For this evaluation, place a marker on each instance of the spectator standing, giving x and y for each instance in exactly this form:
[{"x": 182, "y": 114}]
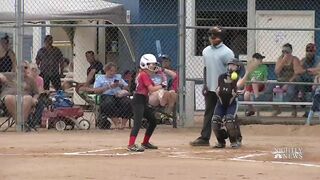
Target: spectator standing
[
  {"x": 216, "y": 57},
  {"x": 50, "y": 62},
  {"x": 7, "y": 56}
]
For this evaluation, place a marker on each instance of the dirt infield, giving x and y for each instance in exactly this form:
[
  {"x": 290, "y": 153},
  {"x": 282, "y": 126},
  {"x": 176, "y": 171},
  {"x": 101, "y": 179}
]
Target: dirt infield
[{"x": 101, "y": 154}]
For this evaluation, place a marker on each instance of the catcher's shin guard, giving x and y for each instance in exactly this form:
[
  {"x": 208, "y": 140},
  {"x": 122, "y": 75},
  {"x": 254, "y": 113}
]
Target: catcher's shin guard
[
  {"x": 232, "y": 128},
  {"x": 239, "y": 136},
  {"x": 220, "y": 134}
]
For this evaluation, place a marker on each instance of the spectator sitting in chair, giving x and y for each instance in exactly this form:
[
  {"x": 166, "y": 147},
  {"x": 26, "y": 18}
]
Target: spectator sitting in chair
[
  {"x": 172, "y": 78},
  {"x": 311, "y": 65},
  {"x": 9, "y": 92},
  {"x": 94, "y": 68},
  {"x": 34, "y": 73},
  {"x": 260, "y": 73},
  {"x": 115, "y": 103},
  {"x": 162, "y": 97},
  {"x": 128, "y": 77},
  {"x": 166, "y": 63},
  {"x": 287, "y": 69}
]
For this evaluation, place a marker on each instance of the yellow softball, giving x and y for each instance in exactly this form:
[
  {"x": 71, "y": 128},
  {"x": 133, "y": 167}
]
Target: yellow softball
[{"x": 234, "y": 76}]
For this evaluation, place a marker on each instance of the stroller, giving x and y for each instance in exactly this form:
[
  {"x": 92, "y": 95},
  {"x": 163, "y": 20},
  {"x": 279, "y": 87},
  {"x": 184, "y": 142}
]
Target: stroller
[{"x": 62, "y": 114}]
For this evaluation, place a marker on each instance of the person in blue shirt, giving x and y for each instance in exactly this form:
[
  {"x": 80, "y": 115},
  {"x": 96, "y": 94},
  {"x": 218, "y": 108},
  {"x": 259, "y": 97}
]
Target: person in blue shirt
[
  {"x": 115, "y": 103},
  {"x": 311, "y": 65},
  {"x": 216, "y": 57}
]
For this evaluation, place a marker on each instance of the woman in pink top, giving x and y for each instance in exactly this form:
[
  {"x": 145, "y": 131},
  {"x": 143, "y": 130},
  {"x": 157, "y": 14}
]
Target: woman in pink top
[
  {"x": 148, "y": 65},
  {"x": 34, "y": 73},
  {"x": 9, "y": 92}
]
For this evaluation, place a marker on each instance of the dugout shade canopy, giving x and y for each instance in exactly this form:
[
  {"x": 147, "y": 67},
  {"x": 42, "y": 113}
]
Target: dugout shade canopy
[{"x": 69, "y": 10}]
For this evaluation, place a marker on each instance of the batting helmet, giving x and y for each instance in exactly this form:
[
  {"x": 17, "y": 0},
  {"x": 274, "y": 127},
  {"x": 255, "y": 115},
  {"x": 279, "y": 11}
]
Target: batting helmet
[{"x": 146, "y": 60}]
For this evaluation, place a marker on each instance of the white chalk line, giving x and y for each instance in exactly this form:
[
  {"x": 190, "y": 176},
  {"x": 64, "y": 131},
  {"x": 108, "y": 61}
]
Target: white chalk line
[
  {"x": 31, "y": 154},
  {"x": 93, "y": 151},
  {"x": 190, "y": 157},
  {"x": 79, "y": 153},
  {"x": 177, "y": 154},
  {"x": 105, "y": 154},
  {"x": 243, "y": 159}
]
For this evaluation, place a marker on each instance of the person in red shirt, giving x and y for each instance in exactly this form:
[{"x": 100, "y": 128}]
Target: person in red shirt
[{"x": 144, "y": 86}]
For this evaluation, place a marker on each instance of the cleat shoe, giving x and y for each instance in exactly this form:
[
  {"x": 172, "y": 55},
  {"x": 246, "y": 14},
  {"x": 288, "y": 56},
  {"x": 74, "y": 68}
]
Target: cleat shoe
[
  {"x": 135, "y": 148},
  {"x": 200, "y": 142},
  {"x": 249, "y": 113},
  {"x": 234, "y": 145},
  {"x": 149, "y": 146},
  {"x": 219, "y": 146}
]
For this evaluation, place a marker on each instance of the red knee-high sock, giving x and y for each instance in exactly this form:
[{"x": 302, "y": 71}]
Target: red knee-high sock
[
  {"x": 132, "y": 140},
  {"x": 146, "y": 139}
]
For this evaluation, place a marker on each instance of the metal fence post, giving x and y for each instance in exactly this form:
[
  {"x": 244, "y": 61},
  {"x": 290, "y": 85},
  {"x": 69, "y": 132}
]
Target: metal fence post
[
  {"x": 251, "y": 21},
  {"x": 190, "y": 104},
  {"x": 19, "y": 50},
  {"x": 182, "y": 46}
]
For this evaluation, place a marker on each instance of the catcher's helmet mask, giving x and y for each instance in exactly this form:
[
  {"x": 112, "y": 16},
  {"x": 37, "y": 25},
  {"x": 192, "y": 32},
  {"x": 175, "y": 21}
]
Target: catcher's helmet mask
[{"x": 235, "y": 62}]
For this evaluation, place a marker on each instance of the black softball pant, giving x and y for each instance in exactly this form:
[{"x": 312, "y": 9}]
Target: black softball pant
[
  {"x": 141, "y": 109},
  {"x": 211, "y": 101}
]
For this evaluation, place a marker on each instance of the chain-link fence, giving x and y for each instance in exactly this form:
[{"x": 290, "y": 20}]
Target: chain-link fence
[
  {"x": 69, "y": 45},
  {"x": 80, "y": 47},
  {"x": 285, "y": 32}
]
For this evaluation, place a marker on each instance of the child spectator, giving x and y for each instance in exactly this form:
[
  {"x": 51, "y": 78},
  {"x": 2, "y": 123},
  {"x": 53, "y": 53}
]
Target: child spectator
[{"x": 259, "y": 74}]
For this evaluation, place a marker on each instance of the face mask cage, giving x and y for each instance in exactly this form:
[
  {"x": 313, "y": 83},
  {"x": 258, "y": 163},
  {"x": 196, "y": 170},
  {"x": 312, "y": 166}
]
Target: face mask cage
[
  {"x": 230, "y": 71},
  {"x": 153, "y": 67}
]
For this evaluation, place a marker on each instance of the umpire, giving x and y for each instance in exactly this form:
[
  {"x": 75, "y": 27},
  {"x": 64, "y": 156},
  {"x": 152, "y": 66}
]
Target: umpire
[{"x": 216, "y": 57}]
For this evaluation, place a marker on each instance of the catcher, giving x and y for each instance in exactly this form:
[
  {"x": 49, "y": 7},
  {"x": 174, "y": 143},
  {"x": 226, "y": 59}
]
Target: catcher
[{"x": 224, "y": 124}]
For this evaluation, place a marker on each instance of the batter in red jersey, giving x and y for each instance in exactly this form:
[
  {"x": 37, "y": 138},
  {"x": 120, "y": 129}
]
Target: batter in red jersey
[{"x": 148, "y": 65}]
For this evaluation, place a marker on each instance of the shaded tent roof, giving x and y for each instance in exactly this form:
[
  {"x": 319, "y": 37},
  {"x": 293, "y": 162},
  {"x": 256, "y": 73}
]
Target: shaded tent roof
[
  {"x": 64, "y": 10},
  {"x": 42, "y": 10}
]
